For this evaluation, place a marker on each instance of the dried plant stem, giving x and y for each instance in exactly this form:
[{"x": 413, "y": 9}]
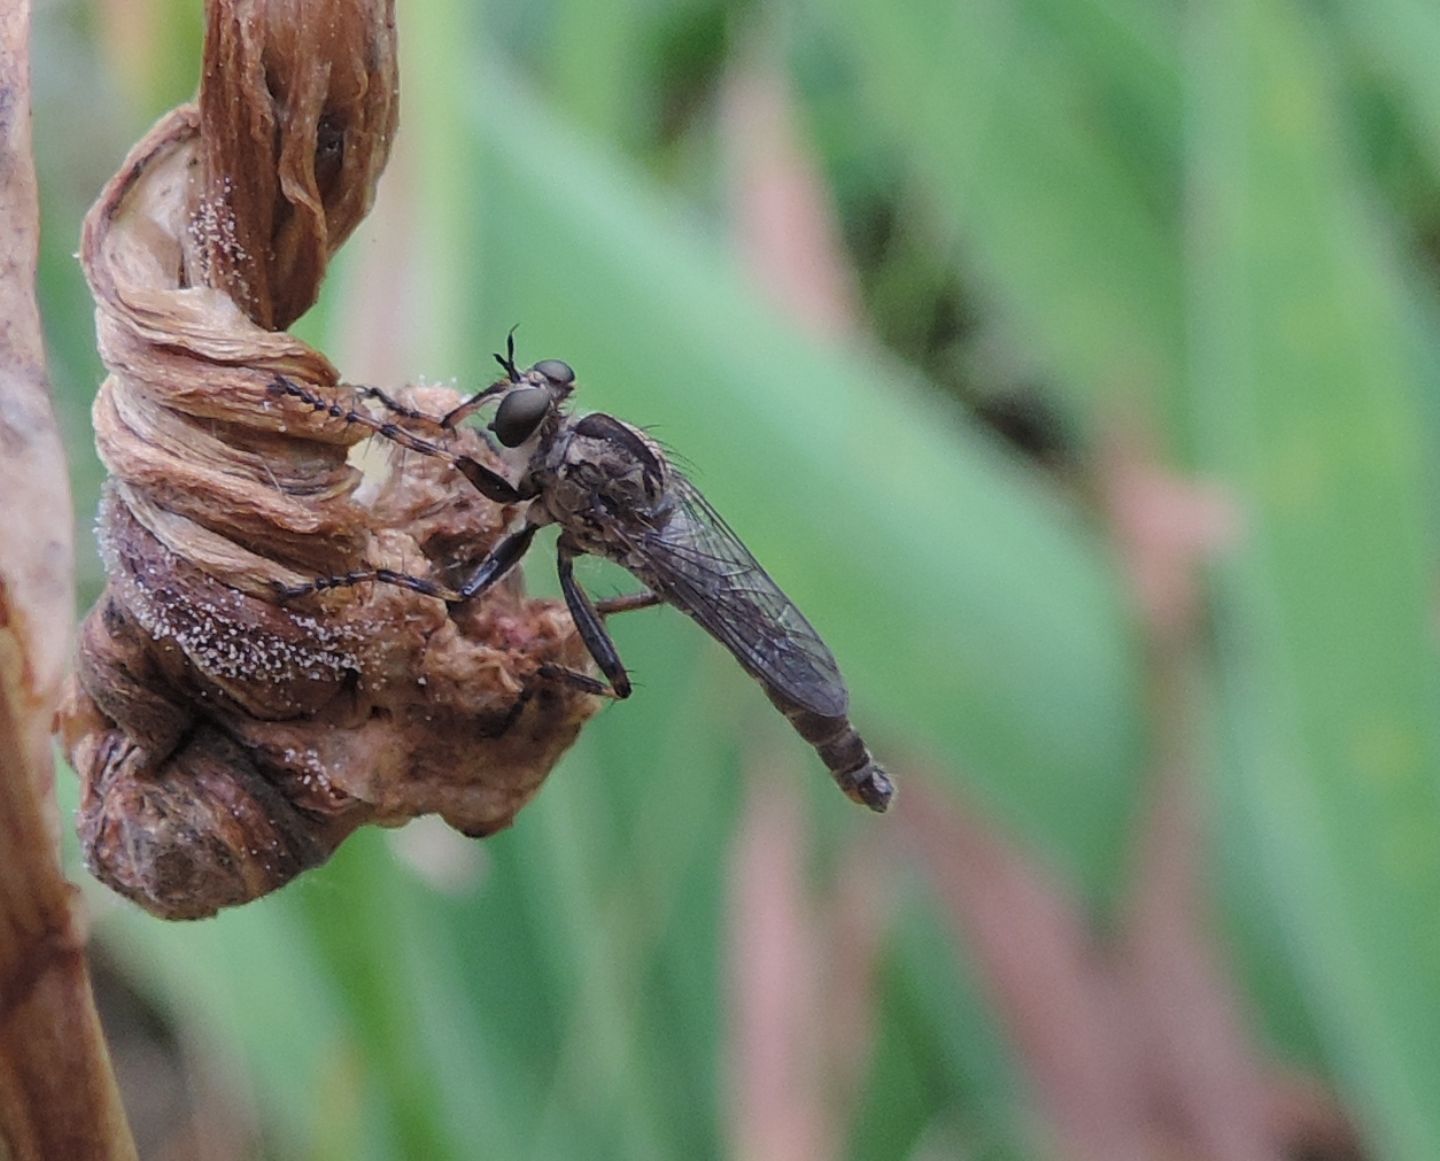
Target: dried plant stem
[{"x": 57, "y": 1093}]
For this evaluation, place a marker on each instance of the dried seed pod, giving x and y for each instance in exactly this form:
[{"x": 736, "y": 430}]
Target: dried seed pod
[{"x": 227, "y": 741}]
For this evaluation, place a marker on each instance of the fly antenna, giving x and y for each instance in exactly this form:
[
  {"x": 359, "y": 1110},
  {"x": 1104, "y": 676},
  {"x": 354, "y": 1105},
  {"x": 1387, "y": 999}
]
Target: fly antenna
[{"x": 507, "y": 360}]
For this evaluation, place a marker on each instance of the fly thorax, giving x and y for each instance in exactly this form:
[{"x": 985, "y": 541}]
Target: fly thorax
[{"x": 607, "y": 475}]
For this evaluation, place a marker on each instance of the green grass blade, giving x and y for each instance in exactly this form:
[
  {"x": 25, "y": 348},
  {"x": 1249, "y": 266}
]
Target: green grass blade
[
  {"x": 1403, "y": 37},
  {"x": 1052, "y": 214},
  {"x": 249, "y": 982},
  {"x": 1308, "y": 408}
]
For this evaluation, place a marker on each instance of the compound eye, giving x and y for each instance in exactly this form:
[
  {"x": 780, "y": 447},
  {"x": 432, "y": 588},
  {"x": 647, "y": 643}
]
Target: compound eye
[
  {"x": 556, "y": 370},
  {"x": 519, "y": 414}
]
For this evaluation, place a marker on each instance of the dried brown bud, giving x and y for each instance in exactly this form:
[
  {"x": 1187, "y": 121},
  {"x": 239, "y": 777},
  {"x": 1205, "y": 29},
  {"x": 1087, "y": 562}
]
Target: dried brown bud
[{"x": 226, "y": 740}]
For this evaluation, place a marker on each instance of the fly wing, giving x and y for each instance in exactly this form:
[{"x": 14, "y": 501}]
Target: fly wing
[{"x": 699, "y": 565}]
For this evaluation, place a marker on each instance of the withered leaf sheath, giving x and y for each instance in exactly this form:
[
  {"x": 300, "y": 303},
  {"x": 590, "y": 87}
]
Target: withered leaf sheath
[{"x": 226, "y": 743}]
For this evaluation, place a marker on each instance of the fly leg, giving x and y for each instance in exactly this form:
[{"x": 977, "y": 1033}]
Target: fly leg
[
  {"x": 395, "y": 407},
  {"x": 644, "y": 599},
  {"x": 447, "y": 421},
  {"x": 588, "y": 623},
  {"x": 498, "y": 561},
  {"x": 360, "y": 575},
  {"x": 490, "y": 484},
  {"x": 573, "y": 677},
  {"x": 454, "y": 416},
  {"x": 501, "y": 559}
]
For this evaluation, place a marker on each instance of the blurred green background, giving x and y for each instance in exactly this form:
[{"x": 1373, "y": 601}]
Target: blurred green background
[{"x": 905, "y": 283}]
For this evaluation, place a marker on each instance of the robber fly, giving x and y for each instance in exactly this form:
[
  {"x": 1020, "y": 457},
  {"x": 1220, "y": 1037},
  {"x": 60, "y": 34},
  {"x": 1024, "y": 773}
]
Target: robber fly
[{"x": 614, "y": 494}]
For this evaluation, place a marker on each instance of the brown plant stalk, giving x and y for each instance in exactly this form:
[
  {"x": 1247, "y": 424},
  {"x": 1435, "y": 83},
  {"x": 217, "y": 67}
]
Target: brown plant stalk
[
  {"x": 228, "y": 739},
  {"x": 57, "y": 1093}
]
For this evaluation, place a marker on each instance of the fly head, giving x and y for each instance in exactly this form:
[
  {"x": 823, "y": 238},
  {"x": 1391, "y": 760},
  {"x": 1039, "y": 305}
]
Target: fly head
[
  {"x": 529, "y": 398},
  {"x": 526, "y": 399}
]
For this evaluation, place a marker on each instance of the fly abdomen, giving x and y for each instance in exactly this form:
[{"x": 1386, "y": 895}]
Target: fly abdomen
[{"x": 843, "y": 751}]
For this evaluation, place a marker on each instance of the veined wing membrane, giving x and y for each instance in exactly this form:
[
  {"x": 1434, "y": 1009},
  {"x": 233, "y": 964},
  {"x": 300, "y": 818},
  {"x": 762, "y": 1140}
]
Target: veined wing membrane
[{"x": 698, "y": 564}]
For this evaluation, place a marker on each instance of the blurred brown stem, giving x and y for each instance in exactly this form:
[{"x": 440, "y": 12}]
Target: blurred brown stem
[{"x": 57, "y": 1093}]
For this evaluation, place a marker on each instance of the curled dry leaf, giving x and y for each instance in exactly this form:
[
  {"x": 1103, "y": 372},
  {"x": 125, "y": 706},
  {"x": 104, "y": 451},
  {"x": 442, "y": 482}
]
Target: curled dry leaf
[{"x": 228, "y": 741}]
